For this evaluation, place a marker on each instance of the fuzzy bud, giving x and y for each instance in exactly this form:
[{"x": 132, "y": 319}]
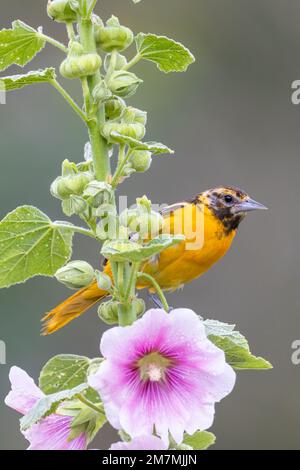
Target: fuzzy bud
[
  {"x": 76, "y": 274},
  {"x": 121, "y": 61},
  {"x": 108, "y": 312},
  {"x": 134, "y": 130},
  {"x": 79, "y": 64},
  {"x": 124, "y": 84},
  {"x": 141, "y": 160},
  {"x": 98, "y": 193},
  {"x": 65, "y": 186},
  {"x": 114, "y": 108},
  {"x": 61, "y": 11},
  {"x": 113, "y": 36}
]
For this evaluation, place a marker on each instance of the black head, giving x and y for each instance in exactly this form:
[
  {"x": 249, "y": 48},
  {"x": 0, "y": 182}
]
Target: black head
[{"x": 229, "y": 204}]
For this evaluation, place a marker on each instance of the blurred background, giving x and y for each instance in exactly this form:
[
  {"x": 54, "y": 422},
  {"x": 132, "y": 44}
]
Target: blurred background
[{"x": 231, "y": 121}]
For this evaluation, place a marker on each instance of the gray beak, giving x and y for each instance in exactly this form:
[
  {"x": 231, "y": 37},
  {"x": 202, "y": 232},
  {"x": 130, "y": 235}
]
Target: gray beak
[{"x": 249, "y": 205}]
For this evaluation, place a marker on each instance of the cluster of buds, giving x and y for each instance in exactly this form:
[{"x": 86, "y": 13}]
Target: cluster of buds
[
  {"x": 131, "y": 123},
  {"x": 142, "y": 220},
  {"x": 79, "y": 192}
]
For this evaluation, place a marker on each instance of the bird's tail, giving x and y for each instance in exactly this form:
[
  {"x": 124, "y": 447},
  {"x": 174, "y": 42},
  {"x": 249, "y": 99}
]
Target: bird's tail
[{"x": 72, "y": 308}]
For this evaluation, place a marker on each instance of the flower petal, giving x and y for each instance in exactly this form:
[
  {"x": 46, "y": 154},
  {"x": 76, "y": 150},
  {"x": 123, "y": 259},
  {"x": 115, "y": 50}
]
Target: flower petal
[{"x": 24, "y": 392}]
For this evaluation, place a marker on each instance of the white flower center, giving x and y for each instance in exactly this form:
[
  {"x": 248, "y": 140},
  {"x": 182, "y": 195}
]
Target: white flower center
[
  {"x": 153, "y": 367},
  {"x": 155, "y": 373}
]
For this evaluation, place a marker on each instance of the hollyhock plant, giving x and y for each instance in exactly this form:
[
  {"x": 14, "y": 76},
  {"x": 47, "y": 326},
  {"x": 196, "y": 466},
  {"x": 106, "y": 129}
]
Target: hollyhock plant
[
  {"x": 52, "y": 432},
  {"x": 162, "y": 372},
  {"x": 141, "y": 443}
]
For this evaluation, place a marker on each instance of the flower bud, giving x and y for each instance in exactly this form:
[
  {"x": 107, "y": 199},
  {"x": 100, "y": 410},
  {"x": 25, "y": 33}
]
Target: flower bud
[
  {"x": 113, "y": 36},
  {"x": 101, "y": 93},
  {"x": 76, "y": 274},
  {"x": 121, "y": 61},
  {"x": 108, "y": 312},
  {"x": 139, "y": 115},
  {"x": 64, "y": 186},
  {"x": 138, "y": 306},
  {"x": 74, "y": 205},
  {"x": 80, "y": 64},
  {"x": 141, "y": 160},
  {"x": 134, "y": 130},
  {"x": 124, "y": 84},
  {"x": 141, "y": 221},
  {"x": 61, "y": 11},
  {"x": 114, "y": 108},
  {"x": 103, "y": 281},
  {"x": 97, "y": 193}
]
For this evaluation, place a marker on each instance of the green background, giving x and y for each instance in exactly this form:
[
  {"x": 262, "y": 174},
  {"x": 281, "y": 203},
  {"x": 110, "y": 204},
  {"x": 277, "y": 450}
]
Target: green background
[{"x": 231, "y": 121}]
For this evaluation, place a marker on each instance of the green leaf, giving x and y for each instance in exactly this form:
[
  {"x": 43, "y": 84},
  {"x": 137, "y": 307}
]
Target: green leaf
[
  {"x": 201, "y": 440},
  {"x": 169, "y": 55},
  {"x": 48, "y": 405},
  {"x": 31, "y": 245},
  {"x": 63, "y": 372},
  {"x": 19, "y": 45},
  {"x": 130, "y": 251},
  {"x": 15, "y": 82},
  {"x": 155, "y": 148},
  {"x": 235, "y": 346}
]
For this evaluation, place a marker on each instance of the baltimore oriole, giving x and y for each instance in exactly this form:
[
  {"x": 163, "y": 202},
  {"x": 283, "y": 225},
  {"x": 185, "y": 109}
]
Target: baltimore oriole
[{"x": 219, "y": 212}]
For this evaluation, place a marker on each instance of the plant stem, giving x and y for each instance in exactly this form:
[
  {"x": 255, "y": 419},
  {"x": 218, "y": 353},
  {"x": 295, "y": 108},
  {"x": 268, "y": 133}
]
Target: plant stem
[
  {"x": 74, "y": 228},
  {"x": 157, "y": 288},
  {"x": 132, "y": 280},
  {"x": 120, "y": 167},
  {"x": 90, "y": 10},
  {"x": 89, "y": 404},
  {"x": 70, "y": 30},
  {"x": 98, "y": 143},
  {"x": 126, "y": 315},
  {"x": 69, "y": 99},
  {"x": 132, "y": 62},
  {"x": 54, "y": 43}
]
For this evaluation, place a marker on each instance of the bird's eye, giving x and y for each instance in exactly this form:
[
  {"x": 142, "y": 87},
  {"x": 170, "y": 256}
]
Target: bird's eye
[{"x": 228, "y": 198}]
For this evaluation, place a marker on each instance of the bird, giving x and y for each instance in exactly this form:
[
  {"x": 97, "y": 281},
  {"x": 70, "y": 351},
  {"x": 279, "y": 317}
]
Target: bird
[{"x": 209, "y": 221}]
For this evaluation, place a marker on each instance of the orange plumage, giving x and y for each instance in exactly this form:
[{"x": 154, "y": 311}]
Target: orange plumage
[{"x": 209, "y": 222}]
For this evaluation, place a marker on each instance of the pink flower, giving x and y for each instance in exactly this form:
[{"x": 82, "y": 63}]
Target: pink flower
[
  {"x": 162, "y": 371},
  {"x": 141, "y": 443},
  {"x": 50, "y": 433}
]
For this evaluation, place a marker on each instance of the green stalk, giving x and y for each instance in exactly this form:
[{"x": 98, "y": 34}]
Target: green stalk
[
  {"x": 126, "y": 314},
  {"x": 157, "y": 289},
  {"x": 54, "y": 42},
  {"x": 89, "y": 404},
  {"x": 132, "y": 62},
  {"x": 74, "y": 228},
  {"x": 98, "y": 143},
  {"x": 69, "y": 99}
]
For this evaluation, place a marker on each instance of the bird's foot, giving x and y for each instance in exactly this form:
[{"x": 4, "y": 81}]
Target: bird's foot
[{"x": 157, "y": 302}]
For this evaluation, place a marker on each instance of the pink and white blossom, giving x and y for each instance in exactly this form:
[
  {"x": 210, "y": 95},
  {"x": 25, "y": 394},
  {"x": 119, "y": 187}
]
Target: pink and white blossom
[
  {"x": 52, "y": 432},
  {"x": 162, "y": 373}
]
